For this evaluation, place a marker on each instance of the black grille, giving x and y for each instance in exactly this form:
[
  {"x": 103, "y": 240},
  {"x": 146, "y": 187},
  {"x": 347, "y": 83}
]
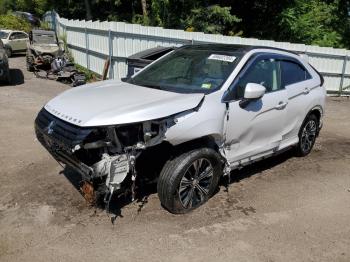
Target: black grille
[{"x": 60, "y": 131}]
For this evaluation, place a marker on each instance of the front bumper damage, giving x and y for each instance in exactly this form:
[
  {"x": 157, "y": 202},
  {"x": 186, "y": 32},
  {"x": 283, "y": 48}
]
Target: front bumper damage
[{"x": 99, "y": 154}]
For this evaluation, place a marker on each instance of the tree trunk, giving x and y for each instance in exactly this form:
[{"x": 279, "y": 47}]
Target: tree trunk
[
  {"x": 88, "y": 9},
  {"x": 144, "y": 8}
]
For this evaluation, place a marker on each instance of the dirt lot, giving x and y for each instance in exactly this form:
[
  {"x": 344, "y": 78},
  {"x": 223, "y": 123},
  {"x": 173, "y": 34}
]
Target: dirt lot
[{"x": 282, "y": 209}]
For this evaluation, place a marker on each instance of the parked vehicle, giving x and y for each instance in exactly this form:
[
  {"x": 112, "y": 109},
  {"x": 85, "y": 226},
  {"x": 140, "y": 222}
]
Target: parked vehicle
[
  {"x": 192, "y": 116},
  {"x": 42, "y": 48},
  {"x": 139, "y": 60},
  {"x": 4, "y": 65},
  {"x": 33, "y": 20},
  {"x": 14, "y": 41}
]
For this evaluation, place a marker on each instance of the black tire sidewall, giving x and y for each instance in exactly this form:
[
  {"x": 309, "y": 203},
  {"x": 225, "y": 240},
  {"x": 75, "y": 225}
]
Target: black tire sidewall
[
  {"x": 30, "y": 61},
  {"x": 8, "y": 51},
  {"x": 8, "y": 77}
]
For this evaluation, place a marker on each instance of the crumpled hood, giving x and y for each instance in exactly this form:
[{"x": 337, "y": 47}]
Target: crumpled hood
[
  {"x": 46, "y": 48},
  {"x": 114, "y": 102}
]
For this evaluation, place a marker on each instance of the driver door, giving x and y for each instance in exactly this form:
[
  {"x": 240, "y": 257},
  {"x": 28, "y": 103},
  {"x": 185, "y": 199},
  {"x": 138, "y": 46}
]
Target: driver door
[{"x": 257, "y": 128}]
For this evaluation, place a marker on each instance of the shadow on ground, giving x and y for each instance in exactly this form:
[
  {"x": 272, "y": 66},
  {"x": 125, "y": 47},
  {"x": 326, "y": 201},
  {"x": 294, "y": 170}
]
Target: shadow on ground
[{"x": 118, "y": 202}]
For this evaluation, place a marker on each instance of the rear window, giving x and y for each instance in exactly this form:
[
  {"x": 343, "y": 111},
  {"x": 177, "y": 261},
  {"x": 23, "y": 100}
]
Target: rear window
[
  {"x": 155, "y": 56},
  {"x": 293, "y": 73}
]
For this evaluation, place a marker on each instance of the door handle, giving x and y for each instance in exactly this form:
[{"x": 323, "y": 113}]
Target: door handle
[
  {"x": 281, "y": 105},
  {"x": 306, "y": 90}
]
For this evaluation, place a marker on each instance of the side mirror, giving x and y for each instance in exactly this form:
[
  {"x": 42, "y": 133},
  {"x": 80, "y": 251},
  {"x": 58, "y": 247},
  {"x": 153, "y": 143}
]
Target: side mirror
[{"x": 252, "y": 92}]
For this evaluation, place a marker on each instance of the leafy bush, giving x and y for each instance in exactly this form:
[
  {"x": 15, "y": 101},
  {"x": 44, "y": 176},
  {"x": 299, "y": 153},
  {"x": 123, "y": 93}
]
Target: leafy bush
[
  {"x": 89, "y": 75},
  {"x": 213, "y": 20},
  {"x": 14, "y": 23},
  {"x": 314, "y": 22},
  {"x": 45, "y": 25}
]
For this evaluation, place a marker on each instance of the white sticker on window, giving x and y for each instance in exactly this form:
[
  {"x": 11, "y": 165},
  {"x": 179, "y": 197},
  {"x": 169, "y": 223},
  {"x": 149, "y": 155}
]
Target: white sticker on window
[{"x": 225, "y": 58}]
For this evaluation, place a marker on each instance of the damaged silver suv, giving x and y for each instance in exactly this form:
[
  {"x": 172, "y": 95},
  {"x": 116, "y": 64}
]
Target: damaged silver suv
[{"x": 185, "y": 120}]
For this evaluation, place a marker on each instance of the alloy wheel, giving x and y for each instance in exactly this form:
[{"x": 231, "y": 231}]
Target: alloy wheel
[
  {"x": 308, "y": 136},
  {"x": 195, "y": 184}
]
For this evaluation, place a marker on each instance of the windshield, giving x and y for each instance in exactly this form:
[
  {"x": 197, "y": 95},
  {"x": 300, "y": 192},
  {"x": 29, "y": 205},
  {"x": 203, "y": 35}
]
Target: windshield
[
  {"x": 189, "y": 70},
  {"x": 44, "y": 39},
  {"x": 3, "y": 35}
]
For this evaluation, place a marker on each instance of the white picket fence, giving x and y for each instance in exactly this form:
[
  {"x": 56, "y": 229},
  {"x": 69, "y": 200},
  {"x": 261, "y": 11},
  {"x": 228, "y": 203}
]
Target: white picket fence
[{"x": 91, "y": 42}]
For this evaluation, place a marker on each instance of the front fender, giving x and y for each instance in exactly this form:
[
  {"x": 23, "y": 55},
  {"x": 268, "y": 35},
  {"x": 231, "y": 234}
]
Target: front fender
[{"x": 208, "y": 121}]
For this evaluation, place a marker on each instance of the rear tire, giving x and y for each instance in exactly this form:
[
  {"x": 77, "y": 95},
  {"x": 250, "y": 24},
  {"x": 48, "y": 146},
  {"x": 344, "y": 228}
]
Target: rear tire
[
  {"x": 30, "y": 61},
  {"x": 307, "y": 135},
  {"x": 189, "y": 180}
]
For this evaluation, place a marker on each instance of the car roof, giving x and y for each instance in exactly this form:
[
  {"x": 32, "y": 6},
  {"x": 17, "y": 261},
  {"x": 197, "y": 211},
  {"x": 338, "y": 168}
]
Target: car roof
[
  {"x": 12, "y": 31},
  {"x": 21, "y": 12},
  {"x": 233, "y": 48},
  {"x": 150, "y": 52}
]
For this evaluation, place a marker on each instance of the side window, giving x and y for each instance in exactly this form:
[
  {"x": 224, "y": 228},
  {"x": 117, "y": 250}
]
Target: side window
[
  {"x": 21, "y": 36},
  {"x": 14, "y": 36},
  {"x": 265, "y": 72},
  {"x": 293, "y": 73}
]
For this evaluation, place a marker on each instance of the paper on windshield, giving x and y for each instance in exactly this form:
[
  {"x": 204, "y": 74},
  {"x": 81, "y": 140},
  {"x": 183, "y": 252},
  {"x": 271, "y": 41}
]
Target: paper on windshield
[{"x": 225, "y": 58}]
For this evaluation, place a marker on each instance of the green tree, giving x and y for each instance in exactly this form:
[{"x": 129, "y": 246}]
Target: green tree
[
  {"x": 14, "y": 23},
  {"x": 313, "y": 22},
  {"x": 213, "y": 19}
]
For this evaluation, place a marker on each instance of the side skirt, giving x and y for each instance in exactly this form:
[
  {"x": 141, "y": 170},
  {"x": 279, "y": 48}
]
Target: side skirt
[{"x": 283, "y": 147}]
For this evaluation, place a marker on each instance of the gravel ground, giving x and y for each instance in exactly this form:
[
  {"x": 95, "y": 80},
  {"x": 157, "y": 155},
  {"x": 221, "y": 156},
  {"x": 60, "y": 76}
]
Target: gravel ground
[{"x": 281, "y": 209}]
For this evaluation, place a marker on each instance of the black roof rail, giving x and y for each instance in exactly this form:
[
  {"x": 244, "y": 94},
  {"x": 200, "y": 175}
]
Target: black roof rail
[{"x": 233, "y": 47}]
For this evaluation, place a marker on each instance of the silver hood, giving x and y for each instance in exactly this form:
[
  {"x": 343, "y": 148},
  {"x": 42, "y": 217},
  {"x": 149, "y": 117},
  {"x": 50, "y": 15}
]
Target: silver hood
[{"x": 114, "y": 102}]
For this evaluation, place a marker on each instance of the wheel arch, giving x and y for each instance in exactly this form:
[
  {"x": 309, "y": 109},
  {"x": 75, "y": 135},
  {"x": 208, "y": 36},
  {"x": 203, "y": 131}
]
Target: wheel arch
[
  {"x": 209, "y": 141},
  {"x": 318, "y": 112}
]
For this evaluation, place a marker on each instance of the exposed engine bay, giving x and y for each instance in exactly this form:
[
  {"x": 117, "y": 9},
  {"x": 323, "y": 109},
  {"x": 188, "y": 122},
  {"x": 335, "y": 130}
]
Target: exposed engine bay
[{"x": 100, "y": 154}]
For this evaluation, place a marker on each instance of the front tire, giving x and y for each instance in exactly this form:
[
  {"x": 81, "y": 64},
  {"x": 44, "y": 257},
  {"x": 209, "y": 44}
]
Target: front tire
[
  {"x": 188, "y": 181},
  {"x": 307, "y": 135}
]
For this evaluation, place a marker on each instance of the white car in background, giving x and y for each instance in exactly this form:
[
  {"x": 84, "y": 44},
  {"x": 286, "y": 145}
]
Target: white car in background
[
  {"x": 185, "y": 120},
  {"x": 14, "y": 41}
]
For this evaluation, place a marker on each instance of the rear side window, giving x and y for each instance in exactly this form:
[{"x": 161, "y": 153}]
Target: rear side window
[{"x": 293, "y": 73}]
